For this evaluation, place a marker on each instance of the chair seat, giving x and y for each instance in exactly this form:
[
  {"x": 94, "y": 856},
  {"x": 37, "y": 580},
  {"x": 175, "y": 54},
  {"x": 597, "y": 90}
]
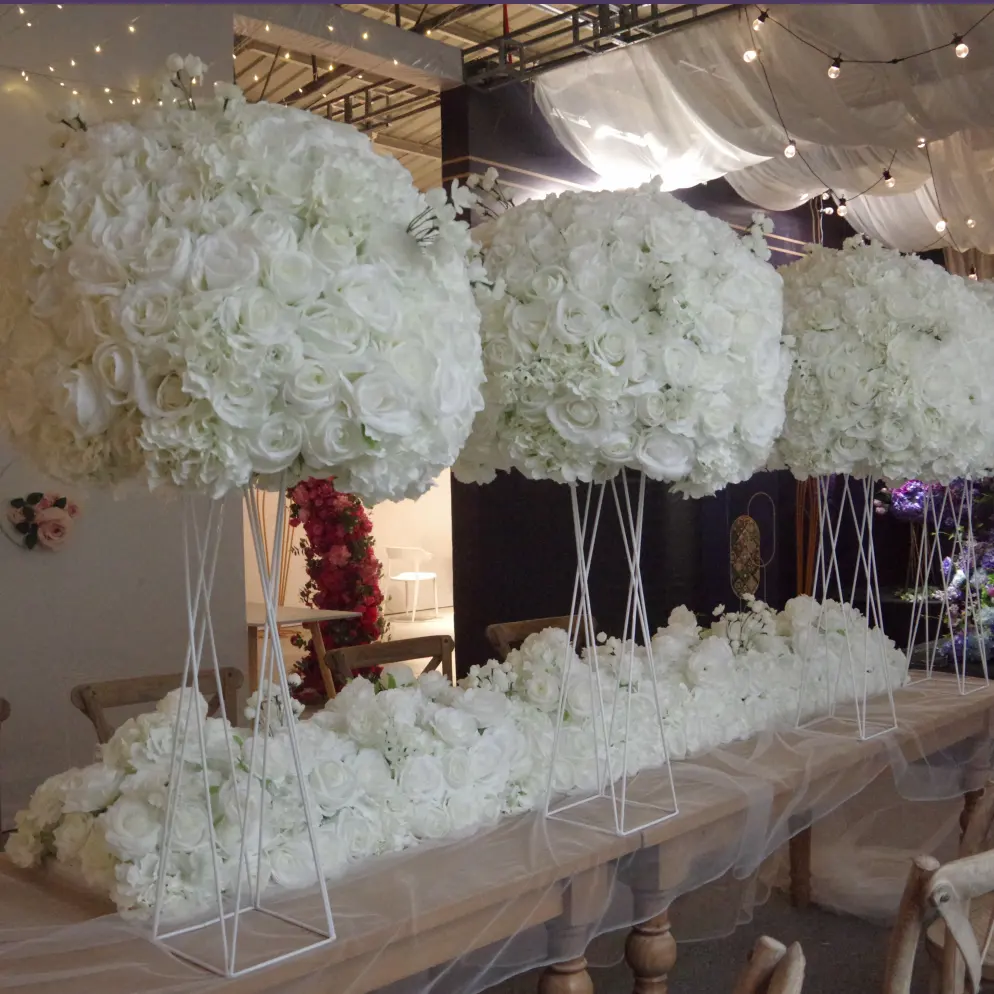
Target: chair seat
[
  {"x": 980, "y": 915},
  {"x": 412, "y": 576}
]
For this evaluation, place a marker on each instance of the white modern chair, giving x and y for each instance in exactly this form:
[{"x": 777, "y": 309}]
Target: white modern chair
[{"x": 398, "y": 559}]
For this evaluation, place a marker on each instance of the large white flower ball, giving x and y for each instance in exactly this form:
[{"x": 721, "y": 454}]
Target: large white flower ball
[
  {"x": 627, "y": 330},
  {"x": 194, "y": 297},
  {"x": 892, "y": 368}
]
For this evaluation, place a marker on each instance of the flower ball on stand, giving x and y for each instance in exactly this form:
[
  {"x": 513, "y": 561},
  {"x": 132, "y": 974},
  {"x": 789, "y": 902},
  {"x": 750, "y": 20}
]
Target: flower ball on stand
[{"x": 625, "y": 331}]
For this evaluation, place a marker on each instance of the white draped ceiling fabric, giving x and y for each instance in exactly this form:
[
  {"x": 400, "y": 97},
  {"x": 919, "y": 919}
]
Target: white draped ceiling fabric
[{"x": 688, "y": 108}]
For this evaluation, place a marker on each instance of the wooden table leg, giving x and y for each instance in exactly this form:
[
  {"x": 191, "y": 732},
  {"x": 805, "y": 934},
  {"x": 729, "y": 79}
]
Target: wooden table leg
[
  {"x": 583, "y": 904},
  {"x": 253, "y": 659},
  {"x": 570, "y": 977},
  {"x": 650, "y": 952},
  {"x": 976, "y": 776},
  {"x": 799, "y": 848},
  {"x": 319, "y": 654}
]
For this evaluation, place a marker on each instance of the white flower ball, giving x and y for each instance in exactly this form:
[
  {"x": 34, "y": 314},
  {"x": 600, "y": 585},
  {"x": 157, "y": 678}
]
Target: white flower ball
[
  {"x": 891, "y": 372},
  {"x": 626, "y": 329},
  {"x": 196, "y": 297}
]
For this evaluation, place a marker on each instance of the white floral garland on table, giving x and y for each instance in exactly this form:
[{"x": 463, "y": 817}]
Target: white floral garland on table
[
  {"x": 193, "y": 295},
  {"x": 626, "y": 329},
  {"x": 388, "y": 768},
  {"x": 891, "y": 372}
]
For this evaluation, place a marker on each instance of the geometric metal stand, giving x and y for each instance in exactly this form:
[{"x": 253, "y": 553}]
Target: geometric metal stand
[
  {"x": 843, "y": 697},
  {"x": 961, "y": 547},
  {"x": 621, "y": 802},
  {"x": 237, "y": 896}
]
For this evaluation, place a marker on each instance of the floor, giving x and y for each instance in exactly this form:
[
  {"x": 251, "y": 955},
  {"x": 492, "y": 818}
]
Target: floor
[{"x": 844, "y": 956}]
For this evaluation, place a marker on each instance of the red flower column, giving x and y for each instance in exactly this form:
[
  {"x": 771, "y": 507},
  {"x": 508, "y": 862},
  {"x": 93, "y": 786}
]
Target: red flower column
[{"x": 343, "y": 573}]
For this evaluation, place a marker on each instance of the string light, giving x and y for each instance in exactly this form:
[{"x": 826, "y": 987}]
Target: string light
[
  {"x": 256, "y": 77},
  {"x": 20, "y": 10},
  {"x": 970, "y": 223},
  {"x": 922, "y": 143},
  {"x": 267, "y": 27},
  {"x": 889, "y": 180},
  {"x": 72, "y": 62},
  {"x": 760, "y": 21},
  {"x": 961, "y": 48},
  {"x": 75, "y": 93},
  {"x": 96, "y": 49},
  {"x": 106, "y": 89},
  {"x": 791, "y": 150},
  {"x": 835, "y": 69},
  {"x": 286, "y": 55},
  {"x": 973, "y": 273},
  {"x": 828, "y": 210},
  {"x": 365, "y": 36},
  {"x": 131, "y": 28},
  {"x": 843, "y": 208},
  {"x": 51, "y": 68},
  {"x": 825, "y": 195},
  {"x": 750, "y": 55},
  {"x": 28, "y": 24},
  {"x": 331, "y": 27},
  {"x": 940, "y": 225},
  {"x": 395, "y": 62},
  {"x": 62, "y": 84},
  {"x": 428, "y": 32}
]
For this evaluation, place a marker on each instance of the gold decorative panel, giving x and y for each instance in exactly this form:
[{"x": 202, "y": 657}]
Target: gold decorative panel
[{"x": 745, "y": 557}]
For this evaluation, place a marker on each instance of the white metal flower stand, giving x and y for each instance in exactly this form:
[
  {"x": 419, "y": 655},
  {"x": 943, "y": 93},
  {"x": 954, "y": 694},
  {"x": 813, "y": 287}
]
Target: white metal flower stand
[
  {"x": 838, "y": 658},
  {"x": 621, "y": 803},
  {"x": 212, "y": 940}
]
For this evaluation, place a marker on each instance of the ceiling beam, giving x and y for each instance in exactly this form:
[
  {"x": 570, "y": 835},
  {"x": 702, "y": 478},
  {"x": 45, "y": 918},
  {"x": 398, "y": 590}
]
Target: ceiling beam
[
  {"x": 410, "y": 12},
  {"x": 403, "y": 145},
  {"x": 335, "y": 36}
]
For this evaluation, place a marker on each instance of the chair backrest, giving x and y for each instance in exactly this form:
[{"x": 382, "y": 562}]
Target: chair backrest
[
  {"x": 508, "y": 635},
  {"x": 92, "y": 698},
  {"x": 772, "y": 968},
  {"x": 397, "y": 555},
  {"x": 946, "y": 890},
  {"x": 4, "y": 710},
  {"x": 345, "y": 662}
]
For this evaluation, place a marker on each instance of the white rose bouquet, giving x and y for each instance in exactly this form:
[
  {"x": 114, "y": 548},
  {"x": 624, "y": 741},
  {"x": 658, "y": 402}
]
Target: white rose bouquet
[
  {"x": 210, "y": 290},
  {"x": 891, "y": 372},
  {"x": 626, "y": 329}
]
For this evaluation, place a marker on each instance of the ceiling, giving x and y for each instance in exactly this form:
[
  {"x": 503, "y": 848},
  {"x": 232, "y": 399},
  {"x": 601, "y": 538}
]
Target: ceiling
[{"x": 402, "y": 117}]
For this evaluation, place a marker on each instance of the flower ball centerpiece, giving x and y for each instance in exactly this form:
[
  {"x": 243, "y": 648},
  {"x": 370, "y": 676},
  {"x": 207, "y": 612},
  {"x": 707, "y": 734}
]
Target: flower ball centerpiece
[
  {"x": 627, "y": 330},
  {"x": 891, "y": 373},
  {"x": 209, "y": 291}
]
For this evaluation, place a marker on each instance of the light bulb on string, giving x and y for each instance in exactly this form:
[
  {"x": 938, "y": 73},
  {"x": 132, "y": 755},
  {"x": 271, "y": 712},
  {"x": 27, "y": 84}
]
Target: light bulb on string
[
  {"x": 131, "y": 29},
  {"x": 970, "y": 223},
  {"x": 828, "y": 210},
  {"x": 750, "y": 55},
  {"x": 72, "y": 62},
  {"x": 973, "y": 273},
  {"x": 961, "y": 48},
  {"x": 760, "y": 21},
  {"x": 843, "y": 209},
  {"x": 790, "y": 150},
  {"x": 889, "y": 180},
  {"x": 825, "y": 195},
  {"x": 96, "y": 48},
  {"x": 922, "y": 143},
  {"x": 940, "y": 225},
  {"x": 835, "y": 69}
]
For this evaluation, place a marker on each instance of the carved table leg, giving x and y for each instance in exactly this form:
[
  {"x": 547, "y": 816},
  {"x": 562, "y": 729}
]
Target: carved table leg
[
  {"x": 650, "y": 951},
  {"x": 799, "y": 849},
  {"x": 570, "y": 977},
  {"x": 970, "y": 801}
]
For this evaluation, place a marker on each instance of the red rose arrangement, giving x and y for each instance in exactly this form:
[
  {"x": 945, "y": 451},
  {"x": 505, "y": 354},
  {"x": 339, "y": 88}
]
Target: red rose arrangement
[{"x": 343, "y": 575}]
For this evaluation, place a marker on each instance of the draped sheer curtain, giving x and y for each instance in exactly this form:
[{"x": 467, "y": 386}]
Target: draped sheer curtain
[{"x": 688, "y": 108}]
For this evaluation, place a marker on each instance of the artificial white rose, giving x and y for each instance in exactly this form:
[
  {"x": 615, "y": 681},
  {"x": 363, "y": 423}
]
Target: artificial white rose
[
  {"x": 333, "y": 786},
  {"x": 293, "y": 863},
  {"x": 455, "y": 727},
  {"x": 422, "y": 779},
  {"x": 71, "y": 834},
  {"x": 91, "y": 789},
  {"x": 131, "y": 828}
]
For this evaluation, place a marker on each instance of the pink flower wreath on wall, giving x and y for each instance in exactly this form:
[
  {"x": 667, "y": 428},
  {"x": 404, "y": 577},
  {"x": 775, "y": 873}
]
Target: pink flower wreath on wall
[
  {"x": 343, "y": 574},
  {"x": 42, "y": 520}
]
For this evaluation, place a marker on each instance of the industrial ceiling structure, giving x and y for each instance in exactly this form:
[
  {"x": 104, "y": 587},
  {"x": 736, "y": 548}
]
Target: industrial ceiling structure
[{"x": 382, "y": 67}]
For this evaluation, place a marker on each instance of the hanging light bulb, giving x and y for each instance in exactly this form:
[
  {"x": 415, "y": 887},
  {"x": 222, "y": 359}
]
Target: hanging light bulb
[
  {"x": 760, "y": 21},
  {"x": 843, "y": 208},
  {"x": 922, "y": 143},
  {"x": 970, "y": 223},
  {"x": 940, "y": 225},
  {"x": 828, "y": 210},
  {"x": 750, "y": 55},
  {"x": 835, "y": 69},
  {"x": 889, "y": 180},
  {"x": 825, "y": 195},
  {"x": 791, "y": 150},
  {"x": 973, "y": 273},
  {"x": 962, "y": 49}
]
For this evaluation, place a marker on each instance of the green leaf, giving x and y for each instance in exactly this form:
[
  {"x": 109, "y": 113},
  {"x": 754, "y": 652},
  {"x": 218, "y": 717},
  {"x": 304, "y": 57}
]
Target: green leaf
[
  {"x": 30, "y": 541},
  {"x": 23, "y": 527},
  {"x": 34, "y": 498},
  {"x": 61, "y": 502},
  {"x": 218, "y": 819},
  {"x": 214, "y": 790},
  {"x": 17, "y": 502}
]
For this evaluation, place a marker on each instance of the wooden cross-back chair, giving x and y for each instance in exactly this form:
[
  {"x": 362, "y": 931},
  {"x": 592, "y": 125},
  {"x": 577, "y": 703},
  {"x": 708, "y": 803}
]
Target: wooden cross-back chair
[
  {"x": 4, "y": 715},
  {"x": 953, "y": 904},
  {"x": 508, "y": 635},
  {"x": 438, "y": 649},
  {"x": 773, "y": 968},
  {"x": 93, "y": 698}
]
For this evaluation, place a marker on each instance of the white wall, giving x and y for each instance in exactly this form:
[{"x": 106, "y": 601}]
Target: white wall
[
  {"x": 111, "y": 603},
  {"x": 424, "y": 523}
]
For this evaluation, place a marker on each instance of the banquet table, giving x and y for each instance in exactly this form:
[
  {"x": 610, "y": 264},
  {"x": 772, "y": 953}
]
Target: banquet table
[{"x": 461, "y": 914}]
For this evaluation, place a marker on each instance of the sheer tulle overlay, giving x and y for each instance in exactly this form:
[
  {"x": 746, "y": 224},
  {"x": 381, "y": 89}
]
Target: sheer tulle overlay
[{"x": 463, "y": 915}]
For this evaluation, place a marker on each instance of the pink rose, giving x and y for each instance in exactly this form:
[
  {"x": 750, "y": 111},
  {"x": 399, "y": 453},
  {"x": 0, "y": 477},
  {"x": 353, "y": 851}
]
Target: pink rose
[
  {"x": 72, "y": 509},
  {"x": 46, "y": 502},
  {"x": 53, "y": 527}
]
